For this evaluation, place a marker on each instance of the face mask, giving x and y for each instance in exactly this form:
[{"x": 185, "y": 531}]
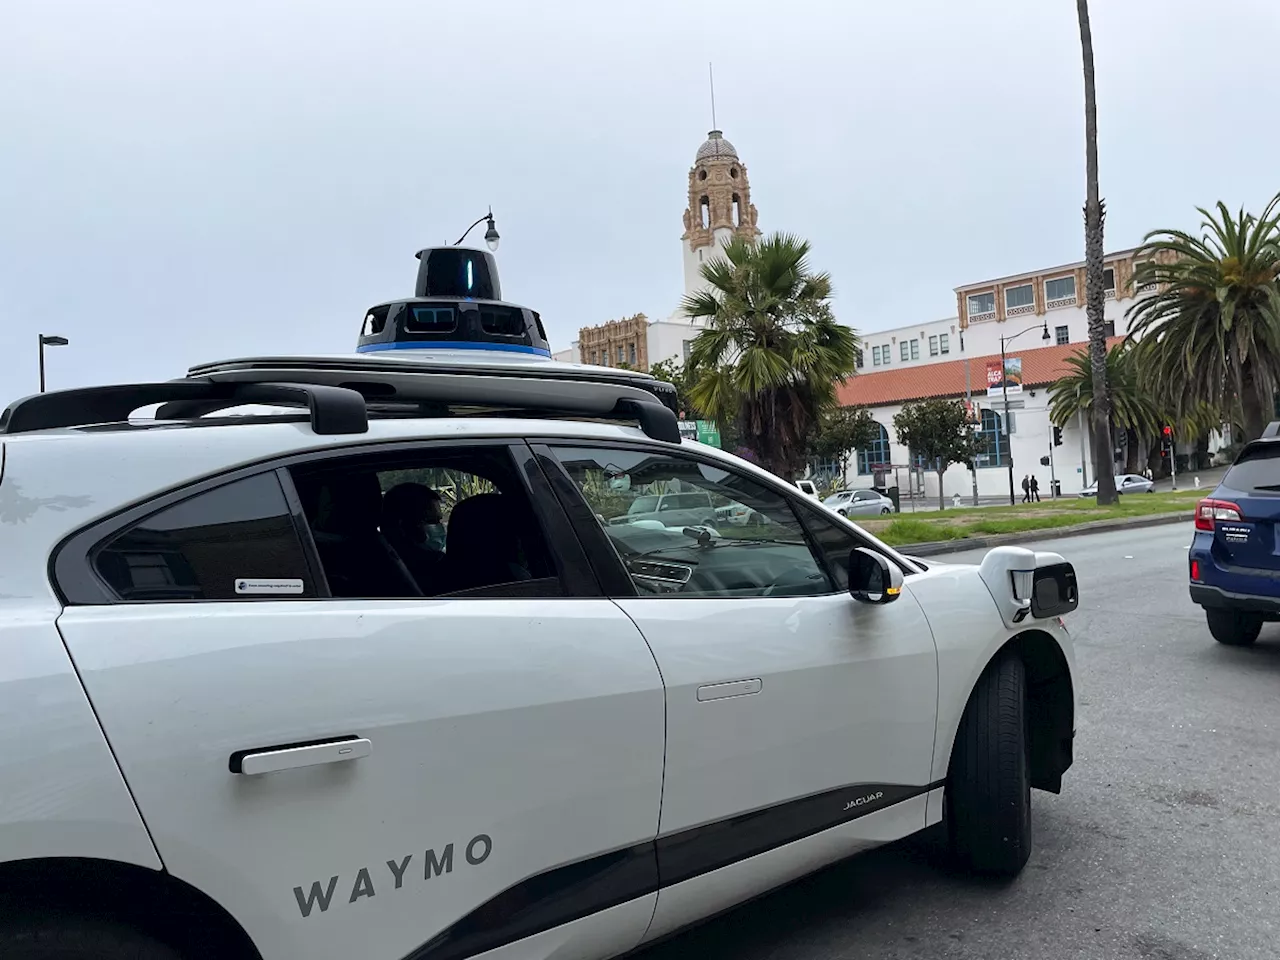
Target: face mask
[{"x": 434, "y": 536}]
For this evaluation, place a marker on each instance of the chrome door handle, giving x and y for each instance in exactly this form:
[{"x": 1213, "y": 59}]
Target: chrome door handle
[
  {"x": 733, "y": 688},
  {"x": 292, "y": 756}
]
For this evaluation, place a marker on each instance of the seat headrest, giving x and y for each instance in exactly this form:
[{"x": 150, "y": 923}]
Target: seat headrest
[{"x": 349, "y": 503}]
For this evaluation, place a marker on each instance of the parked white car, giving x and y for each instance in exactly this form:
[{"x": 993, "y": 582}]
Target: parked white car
[
  {"x": 851, "y": 503},
  {"x": 1125, "y": 483},
  {"x": 255, "y": 708}
]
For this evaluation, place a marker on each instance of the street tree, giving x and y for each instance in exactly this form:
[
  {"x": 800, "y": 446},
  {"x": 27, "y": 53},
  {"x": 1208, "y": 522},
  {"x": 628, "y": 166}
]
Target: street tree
[
  {"x": 840, "y": 432},
  {"x": 772, "y": 354},
  {"x": 1210, "y": 330},
  {"x": 1094, "y": 216},
  {"x": 939, "y": 432}
]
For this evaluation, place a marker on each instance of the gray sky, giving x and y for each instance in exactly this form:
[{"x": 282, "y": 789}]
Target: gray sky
[{"x": 184, "y": 181}]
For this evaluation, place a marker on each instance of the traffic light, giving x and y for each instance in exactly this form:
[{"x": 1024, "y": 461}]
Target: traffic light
[
  {"x": 1044, "y": 461},
  {"x": 1168, "y": 433},
  {"x": 1057, "y": 436}
]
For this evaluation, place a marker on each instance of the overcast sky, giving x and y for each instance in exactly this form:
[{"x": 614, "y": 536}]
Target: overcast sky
[{"x": 182, "y": 181}]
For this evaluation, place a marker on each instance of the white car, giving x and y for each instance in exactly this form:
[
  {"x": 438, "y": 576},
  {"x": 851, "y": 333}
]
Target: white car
[
  {"x": 850, "y": 503},
  {"x": 254, "y": 708},
  {"x": 1125, "y": 483}
]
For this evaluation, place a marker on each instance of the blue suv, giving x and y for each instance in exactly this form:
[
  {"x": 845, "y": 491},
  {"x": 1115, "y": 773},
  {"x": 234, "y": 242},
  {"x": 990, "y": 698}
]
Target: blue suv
[{"x": 1235, "y": 553}]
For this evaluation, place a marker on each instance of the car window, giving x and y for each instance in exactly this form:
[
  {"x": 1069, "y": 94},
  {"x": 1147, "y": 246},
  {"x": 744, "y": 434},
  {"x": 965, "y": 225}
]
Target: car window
[
  {"x": 836, "y": 543},
  {"x": 863, "y": 495},
  {"x": 1256, "y": 470},
  {"x": 755, "y": 548},
  {"x": 441, "y": 523},
  {"x": 234, "y": 542}
]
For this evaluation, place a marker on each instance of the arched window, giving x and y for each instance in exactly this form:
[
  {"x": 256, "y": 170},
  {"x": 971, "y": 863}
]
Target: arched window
[
  {"x": 704, "y": 205},
  {"x": 991, "y": 445},
  {"x": 875, "y": 455},
  {"x": 737, "y": 211}
]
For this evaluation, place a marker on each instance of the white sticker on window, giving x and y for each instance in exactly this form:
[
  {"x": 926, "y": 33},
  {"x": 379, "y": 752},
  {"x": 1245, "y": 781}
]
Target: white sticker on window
[{"x": 268, "y": 586}]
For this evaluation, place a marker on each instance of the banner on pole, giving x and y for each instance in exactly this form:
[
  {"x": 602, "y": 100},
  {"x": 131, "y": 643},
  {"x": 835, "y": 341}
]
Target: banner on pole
[{"x": 1010, "y": 379}]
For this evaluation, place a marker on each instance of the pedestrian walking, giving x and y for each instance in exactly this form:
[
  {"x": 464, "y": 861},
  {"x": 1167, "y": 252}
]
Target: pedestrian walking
[
  {"x": 1026, "y": 489},
  {"x": 1035, "y": 488}
]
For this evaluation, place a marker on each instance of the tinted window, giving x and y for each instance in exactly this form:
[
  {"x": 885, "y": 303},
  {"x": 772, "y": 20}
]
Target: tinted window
[
  {"x": 1257, "y": 470},
  {"x": 236, "y": 542},
  {"x": 754, "y": 545},
  {"x": 431, "y": 320},
  {"x": 835, "y": 542},
  {"x": 504, "y": 321}
]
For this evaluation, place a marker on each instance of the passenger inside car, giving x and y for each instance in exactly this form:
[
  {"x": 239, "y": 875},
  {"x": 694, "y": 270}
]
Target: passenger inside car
[{"x": 413, "y": 523}]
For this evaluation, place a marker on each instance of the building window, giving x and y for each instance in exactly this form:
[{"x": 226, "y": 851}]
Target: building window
[
  {"x": 905, "y": 350},
  {"x": 981, "y": 304},
  {"x": 1061, "y": 336},
  {"x": 631, "y": 351},
  {"x": 704, "y": 206},
  {"x": 915, "y": 349},
  {"x": 1109, "y": 279},
  {"x": 737, "y": 210},
  {"x": 595, "y": 357},
  {"x": 875, "y": 455},
  {"x": 1021, "y": 296},
  {"x": 885, "y": 355},
  {"x": 875, "y": 356},
  {"x": 1109, "y": 328},
  {"x": 859, "y": 359},
  {"x": 991, "y": 452},
  {"x": 944, "y": 341},
  {"x": 685, "y": 347},
  {"x": 933, "y": 346},
  {"x": 1061, "y": 288}
]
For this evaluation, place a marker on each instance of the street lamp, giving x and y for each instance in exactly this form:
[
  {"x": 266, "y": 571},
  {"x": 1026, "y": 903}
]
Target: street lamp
[
  {"x": 1004, "y": 390},
  {"x": 491, "y": 237},
  {"x": 47, "y": 340}
]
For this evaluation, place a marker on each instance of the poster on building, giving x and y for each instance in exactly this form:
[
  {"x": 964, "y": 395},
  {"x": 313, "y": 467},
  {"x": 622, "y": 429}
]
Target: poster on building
[{"x": 1009, "y": 379}]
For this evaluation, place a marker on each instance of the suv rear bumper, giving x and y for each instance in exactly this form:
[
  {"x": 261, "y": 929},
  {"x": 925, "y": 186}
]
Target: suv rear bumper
[{"x": 1219, "y": 599}]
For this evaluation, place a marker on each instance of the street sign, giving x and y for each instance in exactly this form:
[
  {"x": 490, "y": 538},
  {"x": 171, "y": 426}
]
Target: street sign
[{"x": 708, "y": 433}]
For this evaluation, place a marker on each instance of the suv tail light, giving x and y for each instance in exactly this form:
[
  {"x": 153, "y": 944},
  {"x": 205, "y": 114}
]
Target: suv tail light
[{"x": 1210, "y": 511}]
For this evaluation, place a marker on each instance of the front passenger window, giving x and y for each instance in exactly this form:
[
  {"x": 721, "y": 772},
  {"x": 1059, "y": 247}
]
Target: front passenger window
[{"x": 724, "y": 534}]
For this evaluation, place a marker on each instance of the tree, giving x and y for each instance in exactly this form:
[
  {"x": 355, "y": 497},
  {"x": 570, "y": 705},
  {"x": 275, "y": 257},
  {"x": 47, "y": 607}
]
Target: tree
[
  {"x": 1094, "y": 215},
  {"x": 772, "y": 354},
  {"x": 674, "y": 373},
  {"x": 1211, "y": 329},
  {"x": 842, "y": 431},
  {"x": 938, "y": 431}
]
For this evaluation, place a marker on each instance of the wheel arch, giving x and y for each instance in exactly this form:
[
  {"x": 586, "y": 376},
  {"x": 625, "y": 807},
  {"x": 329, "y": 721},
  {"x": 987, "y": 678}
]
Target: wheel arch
[
  {"x": 1050, "y": 702},
  {"x": 150, "y": 901}
]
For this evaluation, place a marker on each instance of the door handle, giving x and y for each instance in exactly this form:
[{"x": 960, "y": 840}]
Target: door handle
[
  {"x": 734, "y": 688},
  {"x": 291, "y": 756}
]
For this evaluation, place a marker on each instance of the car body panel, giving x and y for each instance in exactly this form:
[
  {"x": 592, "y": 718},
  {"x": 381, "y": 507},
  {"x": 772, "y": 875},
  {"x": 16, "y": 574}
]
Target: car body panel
[
  {"x": 480, "y": 738},
  {"x": 1125, "y": 483}
]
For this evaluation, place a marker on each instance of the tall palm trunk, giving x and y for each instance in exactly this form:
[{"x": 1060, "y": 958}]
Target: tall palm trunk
[{"x": 1094, "y": 214}]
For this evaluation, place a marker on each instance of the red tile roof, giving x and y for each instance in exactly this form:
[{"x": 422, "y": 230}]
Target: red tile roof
[{"x": 1040, "y": 367}]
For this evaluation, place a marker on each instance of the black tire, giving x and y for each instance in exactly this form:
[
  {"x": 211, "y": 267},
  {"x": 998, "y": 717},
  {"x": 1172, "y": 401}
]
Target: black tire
[
  {"x": 63, "y": 938},
  {"x": 988, "y": 796},
  {"x": 884, "y": 510},
  {"x": 1233, "y": 628}
]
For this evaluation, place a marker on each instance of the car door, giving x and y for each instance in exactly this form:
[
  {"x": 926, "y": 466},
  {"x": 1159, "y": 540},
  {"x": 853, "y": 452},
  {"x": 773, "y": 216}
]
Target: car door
[
  {"x": 793, "y": 711},
  {"x": 384, "y": 774}
]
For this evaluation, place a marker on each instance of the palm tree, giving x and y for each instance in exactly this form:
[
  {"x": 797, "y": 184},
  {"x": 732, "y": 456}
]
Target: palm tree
[
  {"x": 1211, "y": 329},
  {"x": 1094, "y": 215},
  {"x": 772, "y": 355},
  {"x": 1138, "y": 406}
]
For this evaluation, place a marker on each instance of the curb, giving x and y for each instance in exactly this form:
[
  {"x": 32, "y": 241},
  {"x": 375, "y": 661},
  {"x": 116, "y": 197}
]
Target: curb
[{"x": 1032, "y": 536}]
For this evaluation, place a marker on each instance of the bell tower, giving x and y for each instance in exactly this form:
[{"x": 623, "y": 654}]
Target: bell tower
[{"x": 719, "y": 209}]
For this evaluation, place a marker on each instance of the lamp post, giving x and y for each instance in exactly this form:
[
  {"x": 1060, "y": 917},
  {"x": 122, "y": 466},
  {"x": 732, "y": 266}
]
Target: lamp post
[
  {"x": 47, "y": 340},
  {"x": 1004, "y": 390},
  {"x": 491, "y": 237}
]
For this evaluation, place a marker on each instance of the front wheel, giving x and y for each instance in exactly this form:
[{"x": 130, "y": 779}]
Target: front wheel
[
  {"x": 884, "y": 510},
  {"x": 988, "y": 796},
  {"x": 1233, "y": 628}
]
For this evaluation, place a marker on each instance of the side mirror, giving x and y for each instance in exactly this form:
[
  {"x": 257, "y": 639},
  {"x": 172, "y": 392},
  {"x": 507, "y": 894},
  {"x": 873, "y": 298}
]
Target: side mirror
[
  {"x": 872, "y": 578},
  {"x": 1054, "y": 591}
]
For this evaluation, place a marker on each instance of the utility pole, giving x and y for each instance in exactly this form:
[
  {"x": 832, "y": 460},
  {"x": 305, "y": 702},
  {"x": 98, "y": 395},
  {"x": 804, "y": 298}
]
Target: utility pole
[
  {"x": 1053, "y": 479},
  {"x": 968, "y": 404},
  {"x": 1004, "y": 389}
]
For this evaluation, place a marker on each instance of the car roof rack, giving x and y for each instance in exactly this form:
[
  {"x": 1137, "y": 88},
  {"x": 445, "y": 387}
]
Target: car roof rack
[
  {"x": 414, "y": 386},
  {"x": 339, "y": 398},
  {"x": 333, "y": 410}
]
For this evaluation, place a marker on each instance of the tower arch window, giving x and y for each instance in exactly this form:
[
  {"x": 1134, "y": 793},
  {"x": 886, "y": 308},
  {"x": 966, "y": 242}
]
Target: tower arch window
[
  {"x": 704, "y": 208},
  {"x": 737, "y": 210},
  {"x": 876, "y": 454},
  {"x": 733, "y": 172},
  {"x": 702, "y": 174},
  {"x": 991, "y": 445}
]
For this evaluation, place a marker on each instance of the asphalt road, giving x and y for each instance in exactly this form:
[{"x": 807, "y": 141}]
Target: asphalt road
[{"x": 1164, "y": 844}]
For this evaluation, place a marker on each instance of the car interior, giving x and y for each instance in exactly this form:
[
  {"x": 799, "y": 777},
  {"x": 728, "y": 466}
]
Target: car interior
[{"x": 371, "y": 520}]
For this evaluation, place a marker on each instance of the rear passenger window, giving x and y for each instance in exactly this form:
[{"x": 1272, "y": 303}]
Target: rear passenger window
[
  {"x": 1256, "y": 471},
  {"x": 235, "y": 542}
]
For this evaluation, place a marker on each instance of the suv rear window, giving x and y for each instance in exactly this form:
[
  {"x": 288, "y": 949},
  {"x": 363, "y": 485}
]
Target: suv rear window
[{"x": 1256, "y": 470}]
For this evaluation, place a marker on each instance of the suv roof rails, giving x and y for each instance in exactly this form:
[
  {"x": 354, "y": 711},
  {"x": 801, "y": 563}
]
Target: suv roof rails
[
  {"x": 415, "y": 385},
  {"x": 338, "y": 399},
  {"x": 333, "y": 409}
]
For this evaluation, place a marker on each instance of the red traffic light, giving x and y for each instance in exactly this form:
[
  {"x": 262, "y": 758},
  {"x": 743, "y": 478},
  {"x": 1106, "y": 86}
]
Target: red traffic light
[{"x": 1168, "y": 431}]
